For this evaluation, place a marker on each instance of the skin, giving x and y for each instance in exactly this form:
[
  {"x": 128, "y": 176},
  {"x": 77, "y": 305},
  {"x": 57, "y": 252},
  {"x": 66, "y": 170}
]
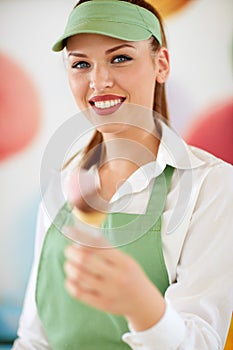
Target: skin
[{"x": 108, "y": 279}]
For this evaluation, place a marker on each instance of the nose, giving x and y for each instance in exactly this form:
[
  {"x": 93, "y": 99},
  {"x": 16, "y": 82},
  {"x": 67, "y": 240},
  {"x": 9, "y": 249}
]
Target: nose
[{"x": 100, "y": 78}]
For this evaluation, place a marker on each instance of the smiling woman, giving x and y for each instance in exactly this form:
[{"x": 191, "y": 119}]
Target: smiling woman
[
  {"x": 92, "y": 72},
  {"x": 155, "y": 269}
]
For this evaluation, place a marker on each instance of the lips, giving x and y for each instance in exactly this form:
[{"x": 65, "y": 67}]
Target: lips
[{"x": 106, "y": 104}]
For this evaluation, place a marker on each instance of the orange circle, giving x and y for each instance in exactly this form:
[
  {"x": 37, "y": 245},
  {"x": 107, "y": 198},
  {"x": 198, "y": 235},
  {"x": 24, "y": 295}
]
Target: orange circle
[
  {"x": 19, "y": 108},
  {"x": 168, "y": 7}
]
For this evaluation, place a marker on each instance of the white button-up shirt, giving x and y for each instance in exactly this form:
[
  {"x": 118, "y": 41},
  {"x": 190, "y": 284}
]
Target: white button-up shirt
[{"x": 197, "y": 238}]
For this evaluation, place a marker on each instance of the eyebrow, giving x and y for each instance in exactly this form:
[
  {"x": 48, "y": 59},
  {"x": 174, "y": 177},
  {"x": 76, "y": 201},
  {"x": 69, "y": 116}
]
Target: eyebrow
[
  {"x": 115, "y": 48},
  {"x": 119, "y": 47}
]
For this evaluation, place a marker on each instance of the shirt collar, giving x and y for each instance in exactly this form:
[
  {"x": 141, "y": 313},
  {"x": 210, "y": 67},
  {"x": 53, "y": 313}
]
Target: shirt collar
[{"x": 172, "y": 151}]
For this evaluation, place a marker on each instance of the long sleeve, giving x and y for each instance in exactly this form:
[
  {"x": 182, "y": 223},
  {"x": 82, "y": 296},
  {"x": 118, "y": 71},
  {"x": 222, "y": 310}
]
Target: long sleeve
[
  {"x": 30, "y": 332},
  {"x": 199, "y": 262},
  {"x": 200, "y": 300}
]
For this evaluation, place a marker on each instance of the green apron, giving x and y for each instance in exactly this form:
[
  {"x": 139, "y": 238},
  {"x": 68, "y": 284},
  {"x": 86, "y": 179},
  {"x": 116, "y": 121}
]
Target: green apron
[{"x": 72, "y": 325}]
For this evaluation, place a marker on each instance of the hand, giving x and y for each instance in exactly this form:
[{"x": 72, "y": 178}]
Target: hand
[{"x": 112, "y": 281}]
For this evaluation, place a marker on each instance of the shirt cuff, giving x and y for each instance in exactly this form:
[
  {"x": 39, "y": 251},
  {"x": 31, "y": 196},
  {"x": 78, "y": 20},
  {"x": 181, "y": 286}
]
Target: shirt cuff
[{"x": 167, "y": 334}]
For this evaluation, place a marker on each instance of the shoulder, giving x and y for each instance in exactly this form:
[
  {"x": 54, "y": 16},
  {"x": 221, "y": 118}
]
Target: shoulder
[
  {"x": 204, "y": 185},
  {"x": 207, "y": 158},
  {"x": 217, "y": 171},
  {"x": 213, "y": 181}
]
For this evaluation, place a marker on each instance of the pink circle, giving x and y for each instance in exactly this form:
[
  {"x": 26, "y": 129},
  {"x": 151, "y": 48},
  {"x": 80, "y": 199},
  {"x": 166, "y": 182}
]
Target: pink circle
[
  {"x": 19, "y": 108},
  {"x": 213, "y": 131}
]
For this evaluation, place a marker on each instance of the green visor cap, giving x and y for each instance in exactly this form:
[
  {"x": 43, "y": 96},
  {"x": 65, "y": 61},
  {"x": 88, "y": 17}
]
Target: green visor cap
[{"x": 114, "y": 18}]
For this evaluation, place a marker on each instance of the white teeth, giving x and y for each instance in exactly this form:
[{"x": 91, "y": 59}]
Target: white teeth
[{"x": 107, "y": 104}]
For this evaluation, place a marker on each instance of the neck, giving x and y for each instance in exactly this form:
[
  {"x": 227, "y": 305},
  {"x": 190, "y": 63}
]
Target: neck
[{"x": 131, "y": 148}]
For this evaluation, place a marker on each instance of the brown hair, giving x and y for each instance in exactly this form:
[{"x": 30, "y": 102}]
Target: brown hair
[{"x": 160, "y": 102}]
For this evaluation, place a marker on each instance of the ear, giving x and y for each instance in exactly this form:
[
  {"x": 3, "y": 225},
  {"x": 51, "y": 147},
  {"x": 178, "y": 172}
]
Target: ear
[{"x": 163, "y": 65}]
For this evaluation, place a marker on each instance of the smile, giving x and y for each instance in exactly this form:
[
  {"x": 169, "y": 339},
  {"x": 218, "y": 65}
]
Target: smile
[{"x": 107, "y": 104}]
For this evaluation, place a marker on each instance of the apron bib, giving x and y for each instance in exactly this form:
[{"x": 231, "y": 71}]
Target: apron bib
[{"x": 72, "y": 325}]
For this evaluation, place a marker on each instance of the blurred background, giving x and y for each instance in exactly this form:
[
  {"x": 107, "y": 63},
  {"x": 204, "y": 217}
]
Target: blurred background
[{"x": 35, "y": 100}]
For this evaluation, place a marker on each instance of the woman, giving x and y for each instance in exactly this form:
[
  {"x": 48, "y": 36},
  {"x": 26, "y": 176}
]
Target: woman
[{"x": 170, "y": 286}]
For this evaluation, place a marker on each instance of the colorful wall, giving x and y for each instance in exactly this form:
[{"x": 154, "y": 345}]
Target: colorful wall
[{"x": 35, "y": 99}]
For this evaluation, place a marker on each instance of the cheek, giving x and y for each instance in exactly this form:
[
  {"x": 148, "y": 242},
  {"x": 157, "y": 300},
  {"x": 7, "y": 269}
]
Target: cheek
[
  {"x": 143, "y": 90},
  {"x": 78, "y": 87},
  {"x": 147, "y": 84},
  {"x": 72, "y": 83},
  {"x": 142, "y": 84}
]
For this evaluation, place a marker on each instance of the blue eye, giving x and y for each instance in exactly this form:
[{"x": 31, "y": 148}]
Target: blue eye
[
  {"x": 81, "y": 65},
  {"x": 121, "y": 58}
]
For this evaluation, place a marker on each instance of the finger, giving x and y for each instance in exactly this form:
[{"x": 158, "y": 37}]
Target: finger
[
  {"x": 89, "y": 260},
  {"x": 88, "y": 296},
  {"x": 84, "y": 281},
  {"x": 80, "y": 290},
  {"x": 79, "y": 274},
  {"x": 110, "y": 254},
  {"x": 90, "y": 238}
]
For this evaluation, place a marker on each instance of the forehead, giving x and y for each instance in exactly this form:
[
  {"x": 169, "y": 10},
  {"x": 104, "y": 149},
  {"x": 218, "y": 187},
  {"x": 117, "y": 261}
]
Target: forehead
[{"x": 85, "y": 41}]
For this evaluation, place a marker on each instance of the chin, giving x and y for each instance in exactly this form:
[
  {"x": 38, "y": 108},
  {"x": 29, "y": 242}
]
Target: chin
[{"x": 112, "y": 128}]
